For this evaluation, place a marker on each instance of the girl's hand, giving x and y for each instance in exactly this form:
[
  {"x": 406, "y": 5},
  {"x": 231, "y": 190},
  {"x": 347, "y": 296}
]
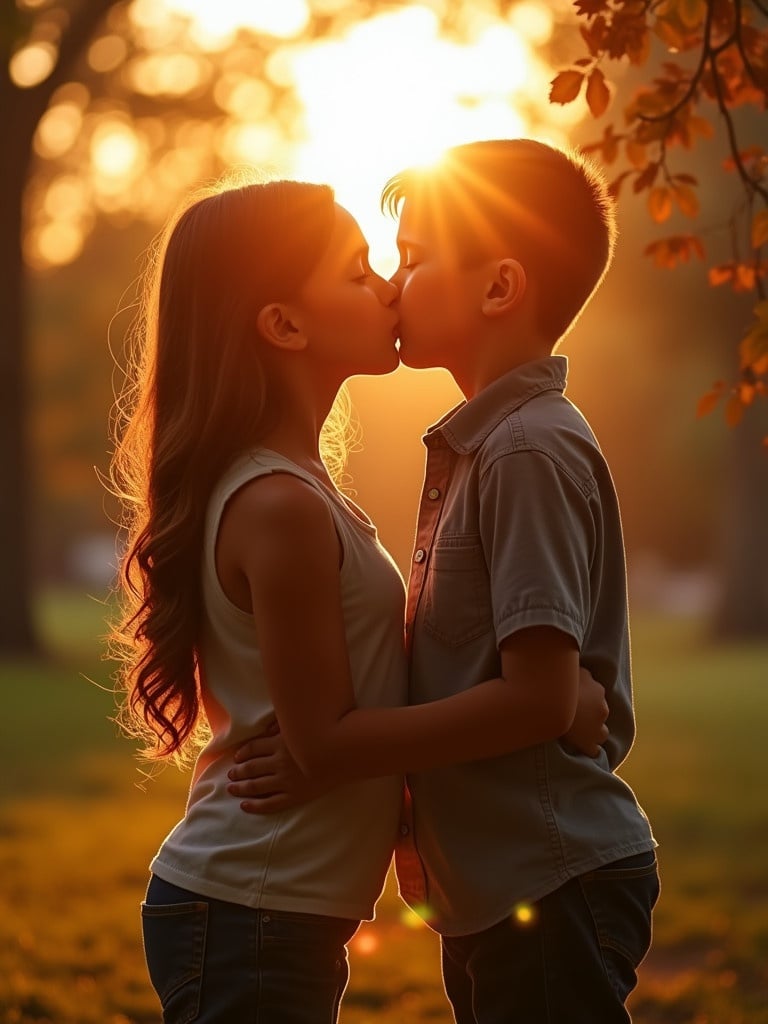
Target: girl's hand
[
  {"x": 267, "y": 778},
  {"x": 588, "y": 731}
]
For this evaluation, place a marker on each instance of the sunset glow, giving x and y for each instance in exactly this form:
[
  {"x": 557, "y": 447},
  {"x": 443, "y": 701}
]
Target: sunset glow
[
  {"x": 358, "y": 105},
  {"x": 216, "y": 21},
  {"x": 394, "y": 92}
]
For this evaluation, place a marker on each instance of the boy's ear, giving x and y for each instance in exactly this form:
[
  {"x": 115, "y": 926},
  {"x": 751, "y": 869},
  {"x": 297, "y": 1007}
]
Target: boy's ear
[
  {"x": 278, "y": 327},
  {"x": 505, "y": 288}
]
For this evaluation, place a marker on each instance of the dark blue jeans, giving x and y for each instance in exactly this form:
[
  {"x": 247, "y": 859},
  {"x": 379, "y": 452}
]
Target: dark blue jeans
[
  {"x": 222, "y": 963},
  {"x": 571, "y": 959}
]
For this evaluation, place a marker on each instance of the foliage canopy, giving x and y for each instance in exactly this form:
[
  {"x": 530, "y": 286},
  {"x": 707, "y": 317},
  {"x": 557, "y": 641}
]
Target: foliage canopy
[{"x": 717, "y": 57}]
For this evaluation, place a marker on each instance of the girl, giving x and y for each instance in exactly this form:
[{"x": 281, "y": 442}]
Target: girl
[{"x": 254, "y": 587}]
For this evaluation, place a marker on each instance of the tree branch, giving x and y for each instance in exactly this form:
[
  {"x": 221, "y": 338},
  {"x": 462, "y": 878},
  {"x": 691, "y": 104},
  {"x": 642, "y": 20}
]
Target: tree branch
[
  {"x": 740, "y": 46},
  {"x": 706, "y": 54},
  {"x": 751, "y": 184}
]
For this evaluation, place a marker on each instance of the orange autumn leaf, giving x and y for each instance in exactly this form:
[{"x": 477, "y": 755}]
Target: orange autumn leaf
[
  {"x": 646, "y": 177},
  {"x": 659, "y": 204},
  {"x": 701, "y": 126},
  {"x": 707, "y": 403},
  {"x": 672, "y": 37},
  {"x": 636, "y": 154},
  {"x": 687, "y": 200},
  {"x": 668, "y": 252},
  {"x": 743, "y": 278},
  {"x": 598, "y": 93},
  {"x": 566, "y": 86},
  {"x": 720, "y": 274},
  {"x": 753, "y": 349},
  {"x": 691, "y": 12}
]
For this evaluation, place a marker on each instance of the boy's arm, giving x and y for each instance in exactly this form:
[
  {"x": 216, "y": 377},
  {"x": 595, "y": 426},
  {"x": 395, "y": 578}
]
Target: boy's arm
[
  {"x": 532, "y": 702},
  {"x": 266, "y": 778}
]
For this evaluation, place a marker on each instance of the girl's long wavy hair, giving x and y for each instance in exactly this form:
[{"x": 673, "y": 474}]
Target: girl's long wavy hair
[{"x": 196, "y": 395}]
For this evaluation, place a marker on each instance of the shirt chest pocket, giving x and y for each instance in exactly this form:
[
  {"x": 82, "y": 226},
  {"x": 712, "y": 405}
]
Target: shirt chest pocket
[{"x": 457, "y": 604}]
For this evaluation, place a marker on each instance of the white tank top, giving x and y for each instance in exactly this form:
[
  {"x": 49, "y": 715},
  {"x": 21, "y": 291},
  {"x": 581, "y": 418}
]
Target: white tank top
[{"x": 329, "y": 856}]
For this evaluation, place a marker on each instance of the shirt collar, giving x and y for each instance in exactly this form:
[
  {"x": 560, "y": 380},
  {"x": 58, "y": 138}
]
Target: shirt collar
[{"x": 468, "y": 424}]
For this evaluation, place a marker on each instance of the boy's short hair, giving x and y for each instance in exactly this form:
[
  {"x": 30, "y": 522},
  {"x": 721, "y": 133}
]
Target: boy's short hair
[{"x": 549, "y": 209}]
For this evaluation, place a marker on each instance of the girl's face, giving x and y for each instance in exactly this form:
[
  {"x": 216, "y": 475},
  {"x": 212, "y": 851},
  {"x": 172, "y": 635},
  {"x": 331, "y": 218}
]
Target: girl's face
[{"x": 347, "y": 311}]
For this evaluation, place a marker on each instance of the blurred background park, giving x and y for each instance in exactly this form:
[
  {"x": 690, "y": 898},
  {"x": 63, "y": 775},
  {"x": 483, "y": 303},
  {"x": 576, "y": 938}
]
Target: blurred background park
[{"x": 113, "y": 110}]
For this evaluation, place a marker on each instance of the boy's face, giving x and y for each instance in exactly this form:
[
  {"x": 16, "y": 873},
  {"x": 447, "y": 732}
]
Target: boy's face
[{"x": 439, "y": 306}]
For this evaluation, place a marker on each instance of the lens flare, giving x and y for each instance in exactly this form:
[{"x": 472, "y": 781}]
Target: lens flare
[
  {"x": 524, "y": 915},
  {"x": 415, "y": 917}
]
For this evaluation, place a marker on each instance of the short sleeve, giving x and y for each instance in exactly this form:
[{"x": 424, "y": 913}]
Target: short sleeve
[{"x": 538, "y": 537}]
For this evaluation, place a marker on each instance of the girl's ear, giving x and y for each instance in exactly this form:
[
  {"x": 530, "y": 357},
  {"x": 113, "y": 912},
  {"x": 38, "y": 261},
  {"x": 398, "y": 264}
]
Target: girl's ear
[
  {"x": 505, "y": 289},
  {"x": 278, "y": 327}
]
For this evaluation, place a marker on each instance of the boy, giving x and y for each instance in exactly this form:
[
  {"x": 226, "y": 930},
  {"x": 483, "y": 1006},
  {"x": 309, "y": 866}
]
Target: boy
[{"x": 537, "y": 868}]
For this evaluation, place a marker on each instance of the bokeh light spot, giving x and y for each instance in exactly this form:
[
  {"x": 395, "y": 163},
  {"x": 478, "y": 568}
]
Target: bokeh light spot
[
  {"x": 32, "y": 64},
  {"x": 114, "y": 151},
  {"x": 365, "y": 942},
  {"x": 533, "y": 21},
  {"x": 58, "y": 129},
  {"x": 107, "y": 53},
  {"x": 415, "y": 917},
  {"x": 58, "y": 243}
]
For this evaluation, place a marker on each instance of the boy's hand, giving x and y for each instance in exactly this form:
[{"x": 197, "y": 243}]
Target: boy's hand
[
  {"x": 588, "y": 731},
  {"x": 267, "y": 778}
]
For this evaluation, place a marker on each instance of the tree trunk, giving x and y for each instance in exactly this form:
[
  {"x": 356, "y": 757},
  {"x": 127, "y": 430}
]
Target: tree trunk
[
  {"x": 17, "y": 632},
  {"x": 742, "y": 610},
  {"x": 25, "y": 107}
]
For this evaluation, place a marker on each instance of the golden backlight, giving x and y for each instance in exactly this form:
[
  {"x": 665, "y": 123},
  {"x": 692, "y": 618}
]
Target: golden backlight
[
  {"x": 393, "y": 91},
  {"x": 385, "y": 92}
]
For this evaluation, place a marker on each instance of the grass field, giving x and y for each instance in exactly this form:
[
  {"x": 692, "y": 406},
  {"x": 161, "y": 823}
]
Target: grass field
[{"x": 78, "y": 825}]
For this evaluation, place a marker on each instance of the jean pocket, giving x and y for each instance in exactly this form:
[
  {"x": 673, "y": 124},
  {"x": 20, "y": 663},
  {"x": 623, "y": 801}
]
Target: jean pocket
[
  {"x": 174, "y": 947},
  {"x": 305, "y": 956},
  {"x": 457, "y": 604},
  {"x": 621, "y": 897}
]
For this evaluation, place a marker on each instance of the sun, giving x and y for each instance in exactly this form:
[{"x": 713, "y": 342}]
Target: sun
[{"x": 393, "y": 92}]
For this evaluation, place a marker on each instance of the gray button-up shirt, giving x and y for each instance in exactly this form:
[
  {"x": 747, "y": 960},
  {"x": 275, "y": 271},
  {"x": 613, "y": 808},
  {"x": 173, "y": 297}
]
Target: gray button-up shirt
[{"x": 518, "y": 526}]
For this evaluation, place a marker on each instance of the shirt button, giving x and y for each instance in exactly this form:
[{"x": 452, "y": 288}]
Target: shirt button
[
  {"x": 420, "y": 555},
  {"x": 404, "y": 830},
  {"x": 433, "y": 494}
]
